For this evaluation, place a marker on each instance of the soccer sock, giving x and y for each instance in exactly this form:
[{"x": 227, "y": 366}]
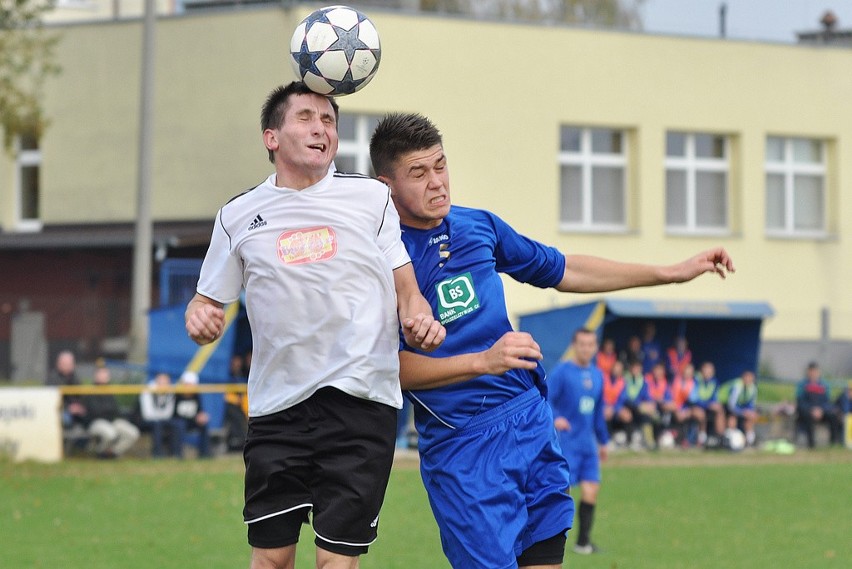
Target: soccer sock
[{"x": 587, "y": 514}]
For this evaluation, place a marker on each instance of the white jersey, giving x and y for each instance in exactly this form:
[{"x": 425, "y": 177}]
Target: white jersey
[{"x": 316, "y": 265}]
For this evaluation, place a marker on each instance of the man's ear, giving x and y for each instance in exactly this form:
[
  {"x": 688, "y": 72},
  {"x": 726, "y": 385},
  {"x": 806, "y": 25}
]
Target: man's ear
[
  {"x": 270, "y": 139},
  {"x": 386, "y": 181}
]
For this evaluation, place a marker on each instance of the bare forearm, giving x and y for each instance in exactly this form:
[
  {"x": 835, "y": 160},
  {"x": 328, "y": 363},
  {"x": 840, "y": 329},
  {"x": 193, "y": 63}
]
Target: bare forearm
[
  {"x": 584, "y": 273},
  {"x": 423, "y": 372}
]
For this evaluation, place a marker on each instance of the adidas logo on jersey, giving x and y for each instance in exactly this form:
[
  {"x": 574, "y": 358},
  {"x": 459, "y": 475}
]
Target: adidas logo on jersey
[{"x": 258, "y": 222}]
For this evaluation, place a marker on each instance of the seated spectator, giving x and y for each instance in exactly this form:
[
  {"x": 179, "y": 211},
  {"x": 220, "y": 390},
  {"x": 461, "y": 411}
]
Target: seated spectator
[
  {"x": 642, "y": 407},
  {"x": 632, "y": 352},
  {"x": 111, "y": 433},
  {"x": 64, "y": 372},
  {"x": 678, "y": 357},
  {"x": 661, "y": 395},
  {"x": 606, "y": 357},
  {"x": 843, "y": 411},
  {"x": 813, "y": 405},
  {"x": 681, "y": 388},
  {"x": 157, "y": 407},
  {"x": 617, "y": 416},
  {"x": 189, "y": 416},
  {"x": 742, "y": 405},
  {"x": 705, "y": 407}
]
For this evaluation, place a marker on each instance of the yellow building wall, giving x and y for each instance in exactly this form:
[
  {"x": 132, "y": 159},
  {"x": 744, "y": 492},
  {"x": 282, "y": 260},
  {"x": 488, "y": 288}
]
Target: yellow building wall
[{"x": 499, "y": 93}]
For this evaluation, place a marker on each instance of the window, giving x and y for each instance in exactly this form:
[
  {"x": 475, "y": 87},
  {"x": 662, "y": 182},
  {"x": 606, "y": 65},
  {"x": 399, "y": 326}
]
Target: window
[
  {"x": 353, "y": 154},
  {"x": 593, "y": 178},
  {"x": 795, "y": 187},
  {"x": 28, "y": 192},
  {"x": 696, "y": 183}
]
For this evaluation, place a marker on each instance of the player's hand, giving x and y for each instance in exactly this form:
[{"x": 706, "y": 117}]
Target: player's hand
[
  {"x": 423, "y": 332},
  {"x": 514, "y": 350},
  {"x": 204, "y": 322},
  {"x": 711, "y": 261},
  {"x": 561, "y": 424}
]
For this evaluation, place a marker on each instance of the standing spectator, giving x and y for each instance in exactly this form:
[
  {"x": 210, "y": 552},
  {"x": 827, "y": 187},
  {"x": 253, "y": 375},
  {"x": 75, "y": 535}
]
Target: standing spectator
[
  {"x": 706, "y": 408},
  {"x": 576, "y": 397},
  {"x": 112, "y": 434},
  {"x": 642, "y": 408},
  {"x": 618, "y": 417},
  {"x": 157, "y": 408},
  {"x": 327, "y": 282},
  {"x": 64, "y": 372},
  {"x": 678, "y": 357},
  {"x": 606, "y": 357},
  {"x": 190, "y": 417},
  {"x": 652, "y": 354},
  {"x": 742, "y": 405},
  {"x": 813, "y": 404}
]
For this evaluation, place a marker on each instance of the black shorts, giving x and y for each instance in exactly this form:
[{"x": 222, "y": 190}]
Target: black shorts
[{"x": 330, "y": 455}]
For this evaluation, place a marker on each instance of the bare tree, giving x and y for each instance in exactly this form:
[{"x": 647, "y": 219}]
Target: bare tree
[{"x": 27, "y": 59}]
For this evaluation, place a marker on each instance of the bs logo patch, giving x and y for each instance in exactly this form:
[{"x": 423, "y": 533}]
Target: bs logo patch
[{"x": 456, "y": 298}]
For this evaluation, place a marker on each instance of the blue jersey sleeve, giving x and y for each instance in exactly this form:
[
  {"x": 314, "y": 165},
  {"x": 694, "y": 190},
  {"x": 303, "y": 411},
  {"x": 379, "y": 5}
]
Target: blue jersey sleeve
[{"x": 525, "y": 259}]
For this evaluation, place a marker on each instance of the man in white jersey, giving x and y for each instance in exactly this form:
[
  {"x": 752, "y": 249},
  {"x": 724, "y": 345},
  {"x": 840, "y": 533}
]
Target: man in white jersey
[{"x": 327, "y": 283}]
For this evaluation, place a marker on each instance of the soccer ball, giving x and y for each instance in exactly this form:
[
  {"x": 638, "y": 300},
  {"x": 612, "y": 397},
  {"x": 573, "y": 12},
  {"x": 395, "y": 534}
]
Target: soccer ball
[
  {"x": 735, "y": 438},
  {"x": 335, "y": 50}
]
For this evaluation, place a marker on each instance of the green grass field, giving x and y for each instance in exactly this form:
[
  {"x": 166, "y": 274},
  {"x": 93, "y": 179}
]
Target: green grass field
[{"x": 670, "y": 510}]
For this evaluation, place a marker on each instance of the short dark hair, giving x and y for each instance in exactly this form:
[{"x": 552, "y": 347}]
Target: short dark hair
[
  {"x": 582, "y": 331},
  {"x": 398, "y": 134},
  {"x": 275, "y": 106}
]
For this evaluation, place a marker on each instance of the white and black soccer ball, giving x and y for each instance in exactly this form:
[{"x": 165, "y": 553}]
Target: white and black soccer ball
[
  {"x": 335, "y": 50},
  {"x": 735, "y": 439}
]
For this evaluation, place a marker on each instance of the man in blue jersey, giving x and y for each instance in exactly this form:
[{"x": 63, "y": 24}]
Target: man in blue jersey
[
  {"x": 496, "y": 479},
  {"x": 576, "y": 396}
]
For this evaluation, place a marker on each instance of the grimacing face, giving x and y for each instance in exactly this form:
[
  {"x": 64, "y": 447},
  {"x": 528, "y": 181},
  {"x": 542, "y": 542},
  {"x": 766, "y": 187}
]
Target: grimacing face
[{"x": 420, "y": 187}]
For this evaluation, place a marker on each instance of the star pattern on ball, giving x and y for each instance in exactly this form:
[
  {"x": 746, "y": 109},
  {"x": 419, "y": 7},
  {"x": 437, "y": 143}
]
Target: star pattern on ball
[{"x": 348, "y": 42}]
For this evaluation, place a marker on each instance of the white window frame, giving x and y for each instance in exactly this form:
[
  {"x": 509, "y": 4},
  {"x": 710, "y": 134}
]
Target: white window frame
[
  {"x": 359, "y": 147},
  {"x": 25, "y": 159},
  {"x": 586, "y": 160},
  {"x": 788, "y": 168},
  {"x": 691, "y": 165}
]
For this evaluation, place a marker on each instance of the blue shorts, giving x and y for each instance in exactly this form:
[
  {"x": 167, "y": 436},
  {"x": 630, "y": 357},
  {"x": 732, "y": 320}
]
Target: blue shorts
[
  {"x": 585, "y": 466},
  {"x": 499, "y": 485}
]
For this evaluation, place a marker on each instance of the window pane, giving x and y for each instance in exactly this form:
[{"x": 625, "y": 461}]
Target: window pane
[
  {"x": 774, "y": 149},
  {"x": 808, "y": 206},
  {"x": 675, "y": 144},
  {"x": 569, "y": 139},
  {"x": 675, "y": 198},
  {"x": 710, "y": 199},
  {"x": 372, "y": 123},
  {"x": 28, "y": 142},
  {"x": 345, "y": 163},
  {"x": 29, "y": 192},
  {"x": 709, "y": 146},
  {"x": 608, "y": 195},
  {"x": 606, "y": 141},
  {"x": 346, "y": 127},
  {"x": 775, "y": 207},
  {"x": 571, "y": 209},
  {"x": 807, "y": 150}
]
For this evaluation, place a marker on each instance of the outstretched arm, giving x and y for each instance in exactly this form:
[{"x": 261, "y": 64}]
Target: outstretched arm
[
  {"x": 514, "y": 350},
  {"x": 419, "y": 327},
  {"x": 584, "y": 273}
]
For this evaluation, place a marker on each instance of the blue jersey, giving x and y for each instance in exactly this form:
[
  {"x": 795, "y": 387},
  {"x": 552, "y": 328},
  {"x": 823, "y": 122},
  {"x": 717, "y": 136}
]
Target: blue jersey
[
  {"x": 457, "y": 266},
  {"x": 576, "y": 393}
]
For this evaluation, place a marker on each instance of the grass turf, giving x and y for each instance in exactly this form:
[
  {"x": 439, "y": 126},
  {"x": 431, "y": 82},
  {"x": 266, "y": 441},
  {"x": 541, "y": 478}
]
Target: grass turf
[{"x": 671, "y": 510}]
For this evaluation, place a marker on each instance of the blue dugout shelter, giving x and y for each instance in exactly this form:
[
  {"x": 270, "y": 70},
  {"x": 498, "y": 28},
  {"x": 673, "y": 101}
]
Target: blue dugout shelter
[{"x": 725, "y": 333}]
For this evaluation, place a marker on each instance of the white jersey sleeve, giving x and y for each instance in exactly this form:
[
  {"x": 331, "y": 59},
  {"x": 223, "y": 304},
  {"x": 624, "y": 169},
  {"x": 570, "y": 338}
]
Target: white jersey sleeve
[
  {"x": 390, "y": 237},
  {"x": 221, "y": 273}
]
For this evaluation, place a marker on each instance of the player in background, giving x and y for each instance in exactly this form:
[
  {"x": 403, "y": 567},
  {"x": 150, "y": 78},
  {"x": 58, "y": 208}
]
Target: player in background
[
  {"x": 741, "y": 405},
  {"x": 490, "y": 461},
  {"x": 575, "y": 393},
  {"x": 327, "y": 283}
]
